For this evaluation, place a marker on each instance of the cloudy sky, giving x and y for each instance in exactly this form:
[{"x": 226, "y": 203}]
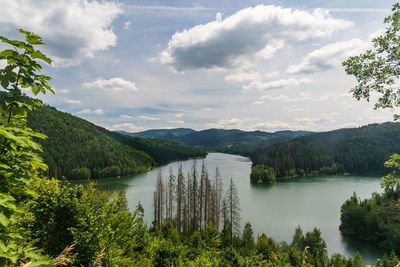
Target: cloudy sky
[{"x": 247, "y": 64}]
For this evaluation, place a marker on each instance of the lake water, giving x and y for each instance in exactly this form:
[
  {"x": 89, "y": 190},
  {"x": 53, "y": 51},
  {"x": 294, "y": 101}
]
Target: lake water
[{"x": 275, "y": 210}]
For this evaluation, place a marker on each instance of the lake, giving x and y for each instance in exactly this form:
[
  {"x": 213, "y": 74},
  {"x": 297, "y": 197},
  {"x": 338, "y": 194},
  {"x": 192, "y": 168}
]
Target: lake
[{"x": 275, "y": 210}]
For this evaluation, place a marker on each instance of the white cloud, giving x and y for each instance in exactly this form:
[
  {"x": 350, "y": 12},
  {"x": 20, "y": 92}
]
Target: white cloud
[
  {"x": 306, "y": 97},
  {"x": 126, "y": 116},
  {"x": 176, "y": 121},
  {"x": 270, "y": 50},
  {"x": 283, "y": 98},
  {"x": 273, "y": 125},
  {"x": 348, "y": 125},
  {"x": 250, "y": 77},
  {"x": 226, "y": 124},
  {"x": 261, "y": 29},
  {"x": 98, "y": 111},
  {"x": 72, "y": 29},
  {"x": 242, "y": 76},
  {"x": 148, "y": 118},
  {"x": 112, "y": 85},
  {"x": 258, "y": 102},
  {"x": 61, "y": 91},
  {"x": 179, "y": 115},
  {"x": 293, "y": 110},
  {"x": 127, "y": 24},
  {"x": 320, "y": 122},
  {"x": 128, "y": 127},
  {"x": 166, "y": 8},
  {"x": 278, "y": 84},
  {"x": 218, "y": 16},
  {"x": 323, "y": 118},
  {"x": 72, "y": 101},
  {"x": 328, "y": 56}
]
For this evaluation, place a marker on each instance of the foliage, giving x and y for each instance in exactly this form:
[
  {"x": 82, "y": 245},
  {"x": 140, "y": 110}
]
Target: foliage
[
  {"x": 373, "y": 220},
  {"x": 19, "y": 159},
  {"x": 74, "y": 143},
  {"x": 358, "y": 150},
  {"x": 261, "y": 175},
  {"x": 226, "y": 141},
  {"x": 162, "y": 151},
  {"x": 102, "y": 228},
  {"x": 376, "y": 220},
  {"x": 247, "y": 239},
  {"x": 63, "y": 215},
  {"x": 377, "y": 70}
]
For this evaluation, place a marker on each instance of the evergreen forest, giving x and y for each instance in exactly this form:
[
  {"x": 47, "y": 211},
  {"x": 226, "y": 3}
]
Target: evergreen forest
[
  {"x": 78, "y": 149},
  {"x": 361, "y": 150}
]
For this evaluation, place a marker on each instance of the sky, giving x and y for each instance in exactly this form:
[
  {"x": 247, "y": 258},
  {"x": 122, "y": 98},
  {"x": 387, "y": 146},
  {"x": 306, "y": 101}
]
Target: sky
[{"x": 248, "y": 64}]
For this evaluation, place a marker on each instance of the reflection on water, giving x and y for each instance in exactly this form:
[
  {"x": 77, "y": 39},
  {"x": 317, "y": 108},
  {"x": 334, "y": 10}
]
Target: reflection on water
[{"x": 273, "y": 209}]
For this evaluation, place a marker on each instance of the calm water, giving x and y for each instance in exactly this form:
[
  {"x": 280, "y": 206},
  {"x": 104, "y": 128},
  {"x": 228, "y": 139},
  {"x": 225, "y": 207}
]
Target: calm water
[{"x": 274, "y": 209}]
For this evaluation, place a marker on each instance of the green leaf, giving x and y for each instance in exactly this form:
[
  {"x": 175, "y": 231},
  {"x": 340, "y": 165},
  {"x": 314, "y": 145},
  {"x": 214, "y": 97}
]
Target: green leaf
[
  {"x": 8, "y": 53},
  {"x": 40, "y": 55},
  {"x": 4, "y": 83},
  {"x": 36, "y": 89},
  {"x": 4, "y": 220}
]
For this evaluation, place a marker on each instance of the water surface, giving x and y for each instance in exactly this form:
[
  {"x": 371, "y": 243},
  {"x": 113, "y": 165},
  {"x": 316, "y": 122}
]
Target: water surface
[{"x": 272, "y": 209}]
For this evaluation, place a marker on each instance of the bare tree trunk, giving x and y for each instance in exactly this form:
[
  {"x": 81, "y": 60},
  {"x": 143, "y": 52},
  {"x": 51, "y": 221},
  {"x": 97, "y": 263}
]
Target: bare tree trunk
[
  {"x": 171, "y": 194},
  {"x": 201, "y": 193},
  {"x": 218, "y": 197},
  {"x": 194, "y": 197},
  {"x": 232, "y": 200},
  {"x": 179, "y": 198},
  {"x": 155, "y": 210}
]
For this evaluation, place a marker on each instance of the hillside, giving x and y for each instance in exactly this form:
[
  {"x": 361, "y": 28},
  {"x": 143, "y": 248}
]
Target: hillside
[
  {"x": 76, "y": 148},
  {"x": 360, "y": 150},
  {"x": 161, "y": 133},
  {"x": 228, "y": 141}
]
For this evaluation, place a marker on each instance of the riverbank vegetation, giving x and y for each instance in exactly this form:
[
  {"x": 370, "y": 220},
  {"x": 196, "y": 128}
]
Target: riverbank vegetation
[
  {"x": 98, "y": 228},
  {"x": 361, "y": 150},
  {"x": 376, "y": 220},
  {"x": 78, "y": 149}
]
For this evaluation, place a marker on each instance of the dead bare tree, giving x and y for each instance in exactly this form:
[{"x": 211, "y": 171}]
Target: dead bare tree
[{"x": 233, "y": 209}]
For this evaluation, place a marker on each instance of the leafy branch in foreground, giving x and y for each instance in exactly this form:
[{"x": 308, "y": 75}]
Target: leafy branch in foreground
[
  {"x": 19, "y": 160},
  {"x": 378, "y": 70}
]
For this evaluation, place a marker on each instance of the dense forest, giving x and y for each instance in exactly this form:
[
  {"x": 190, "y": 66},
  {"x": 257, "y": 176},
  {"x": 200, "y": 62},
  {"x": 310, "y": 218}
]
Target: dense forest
[
  {"x": 376, "y": 220},
  {"x": 76, "y": 148},
  {"x": 361, "y": 150},
  {"x": 227, "y": 141},
  {"x": 97, "y": 228}
]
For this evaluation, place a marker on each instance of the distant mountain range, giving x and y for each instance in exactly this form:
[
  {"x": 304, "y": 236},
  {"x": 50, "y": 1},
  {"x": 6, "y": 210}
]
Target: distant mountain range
[{"x": 228, "y": 141}]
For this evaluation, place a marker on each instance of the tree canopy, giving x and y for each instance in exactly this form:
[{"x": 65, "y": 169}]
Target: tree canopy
[{"x": 378, "y": 69}]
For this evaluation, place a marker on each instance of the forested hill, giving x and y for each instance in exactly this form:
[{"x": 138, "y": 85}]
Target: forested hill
[
  {"x": 162, "y": 133},
  {"x": 76, "y": 148},
  {"x": 360, "y": 150},
  {"x": 228, "y": 141}
]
